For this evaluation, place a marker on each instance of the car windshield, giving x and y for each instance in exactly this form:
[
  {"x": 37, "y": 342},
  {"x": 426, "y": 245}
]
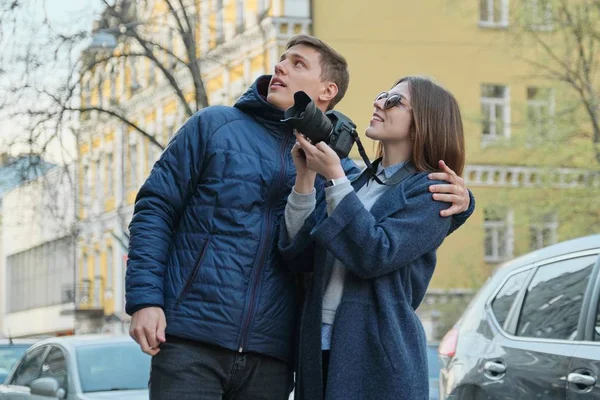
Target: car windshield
[
  {"x": 433, "y": 362},
  {"x": 112, "y": 366},
  {"x": 9, "y": 355}
]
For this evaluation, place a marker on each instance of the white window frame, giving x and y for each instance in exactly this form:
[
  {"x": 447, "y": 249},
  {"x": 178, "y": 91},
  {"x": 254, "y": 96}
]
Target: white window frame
[
  {"x": 507, "y": 223},
  {"x": 492, "y": 103},
  {"x": 490, "y": 21}
]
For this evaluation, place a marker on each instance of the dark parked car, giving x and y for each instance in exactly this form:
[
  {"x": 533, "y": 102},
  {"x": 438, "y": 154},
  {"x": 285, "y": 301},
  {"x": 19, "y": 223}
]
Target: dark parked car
[
  {"x": 11, "y": 351},
  {"x": 532, "y": 331}
]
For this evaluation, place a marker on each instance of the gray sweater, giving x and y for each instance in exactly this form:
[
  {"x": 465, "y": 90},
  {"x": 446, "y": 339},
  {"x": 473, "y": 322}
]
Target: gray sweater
[{"x": 300, "y": 206}]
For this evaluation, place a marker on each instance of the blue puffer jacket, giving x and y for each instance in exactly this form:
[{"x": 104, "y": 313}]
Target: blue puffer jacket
[{"x": 204, "y": 231}]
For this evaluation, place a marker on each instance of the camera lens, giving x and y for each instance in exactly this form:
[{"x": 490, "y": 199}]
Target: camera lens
[{"x": 306, "y": 118}]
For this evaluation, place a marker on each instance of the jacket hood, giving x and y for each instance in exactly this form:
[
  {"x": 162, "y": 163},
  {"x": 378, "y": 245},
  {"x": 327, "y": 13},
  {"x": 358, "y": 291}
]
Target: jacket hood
[{"x": 254, "y": 102}]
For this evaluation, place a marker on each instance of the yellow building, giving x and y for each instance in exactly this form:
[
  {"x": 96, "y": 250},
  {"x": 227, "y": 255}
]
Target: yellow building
[
  {"x": 469, "y": 47},
  {"x": 473, "y": 49},
  {"x": 237, "y": 41}
]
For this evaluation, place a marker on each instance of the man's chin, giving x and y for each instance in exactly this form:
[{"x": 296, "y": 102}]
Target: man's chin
[{"x": 276, "y": 100}]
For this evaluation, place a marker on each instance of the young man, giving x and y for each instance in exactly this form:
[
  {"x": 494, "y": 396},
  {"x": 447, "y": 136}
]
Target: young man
[{"x": 209, "y": 296}]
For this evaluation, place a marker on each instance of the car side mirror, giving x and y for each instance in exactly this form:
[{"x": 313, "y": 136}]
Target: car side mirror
[{"x": 48, "y": 387}]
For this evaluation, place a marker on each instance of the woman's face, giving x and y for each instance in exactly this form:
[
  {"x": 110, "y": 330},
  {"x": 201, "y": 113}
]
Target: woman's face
[{"x": 393, "y": 116}]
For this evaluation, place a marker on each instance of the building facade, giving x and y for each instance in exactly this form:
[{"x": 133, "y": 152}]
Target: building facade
[
  {"x": 39, "y": 230},
  {"x": 533, "y": 185}
]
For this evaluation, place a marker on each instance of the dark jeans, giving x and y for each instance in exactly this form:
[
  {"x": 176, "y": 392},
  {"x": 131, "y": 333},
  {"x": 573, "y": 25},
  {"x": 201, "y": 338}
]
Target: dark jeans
[
  {"x": 325, "y": 370},
  {"x": 188, "y": 370}
]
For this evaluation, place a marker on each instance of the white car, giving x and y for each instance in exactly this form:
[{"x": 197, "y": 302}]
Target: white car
[{"x": 80, "y": 368}]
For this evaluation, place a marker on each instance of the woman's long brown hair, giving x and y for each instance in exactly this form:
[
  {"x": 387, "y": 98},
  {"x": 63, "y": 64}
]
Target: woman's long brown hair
[{"x": 437, "y": 128}]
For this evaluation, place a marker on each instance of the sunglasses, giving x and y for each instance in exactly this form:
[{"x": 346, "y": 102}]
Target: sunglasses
[{"x": 393, "y": 100}]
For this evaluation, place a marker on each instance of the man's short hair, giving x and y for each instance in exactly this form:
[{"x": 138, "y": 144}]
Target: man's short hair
[{"x": 333, "y": 65}]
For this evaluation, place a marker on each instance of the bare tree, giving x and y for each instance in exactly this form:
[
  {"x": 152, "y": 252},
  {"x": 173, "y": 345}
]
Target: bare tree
[
  {"x": 124, "y": 31},
  {"x": 566, "y": 38}
]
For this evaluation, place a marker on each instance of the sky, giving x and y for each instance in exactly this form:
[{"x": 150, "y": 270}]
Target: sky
[{"x": 65, "y": 16}]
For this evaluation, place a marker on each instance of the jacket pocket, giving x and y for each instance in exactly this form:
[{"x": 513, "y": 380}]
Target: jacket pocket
[{"x": 192, "y": 275}]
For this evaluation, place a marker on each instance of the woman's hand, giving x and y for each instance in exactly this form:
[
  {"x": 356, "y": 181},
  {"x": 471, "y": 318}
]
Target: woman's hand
[
  {"x": 305, "y": 178},
  {"x": 321, "y": 159}
]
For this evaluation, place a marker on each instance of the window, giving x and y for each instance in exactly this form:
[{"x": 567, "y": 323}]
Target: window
[
  {"x": 55, "y": 367},
  {"x": 493, "y": 13},
  {"x": 122, "y": 72},
  {"x": 29, "y": 369},
  {"x": 112, "y": 365},
  {"x": 86, "y": 183},
  {"x": 263, "y": 7},
  {"x": 220, "y": 21},
  {"x": 109, "y": 175},
  {"x": 498, "y": 234},
  {"x": 495, "y": 111},
  {"x": 151, "y": 73},
  {"x": 134, "y": 75},
  {"x": 540, "y": 111},
  {"x": 109, "y": 267},
  {"x": 553, "y": 300},
  {"x": 239, "y": 16},
  {"x": 542, "y": 231},
  {"x": 100, "y": 90},
  {"x": 36, "y": 276},
  {"x": 132, "y": 165},
  {"x": 506, "y": 296},
  {"x": 539, "y": 14},
  {"x": 87, "y": 94},
  {"x": 97, "y": 279},
  {"x": 113, "y": 84},
  {"x": 98, "y": 173}
]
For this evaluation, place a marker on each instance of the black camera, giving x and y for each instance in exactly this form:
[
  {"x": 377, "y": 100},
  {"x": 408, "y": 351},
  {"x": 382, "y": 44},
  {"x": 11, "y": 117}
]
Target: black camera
[{"x": 333, "y": 127}]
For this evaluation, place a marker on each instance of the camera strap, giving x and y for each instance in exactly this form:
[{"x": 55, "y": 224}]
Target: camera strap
[{"x": 406, "y": 170}]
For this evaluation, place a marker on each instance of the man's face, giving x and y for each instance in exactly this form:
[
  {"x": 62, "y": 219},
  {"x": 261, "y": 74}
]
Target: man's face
[{"x": 299, "y": 69}]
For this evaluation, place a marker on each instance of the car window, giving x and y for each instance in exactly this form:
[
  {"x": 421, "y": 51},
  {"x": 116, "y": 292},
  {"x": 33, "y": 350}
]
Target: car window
[
  {"x": 55, "y": 367},
  {"x": 29, "y": 369},
  {"x": 9, "y": 355},
  {"x": 112, "y": 366},
  {"x": 553, "y": 300},
  {"x": 506, "y": 296}
]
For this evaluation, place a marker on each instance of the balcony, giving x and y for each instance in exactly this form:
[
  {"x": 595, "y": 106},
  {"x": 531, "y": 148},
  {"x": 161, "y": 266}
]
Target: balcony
[{"x": 87, "y": 295}]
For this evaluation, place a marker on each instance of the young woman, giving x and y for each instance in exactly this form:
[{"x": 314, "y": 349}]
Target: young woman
[{"x": 372, "y": 248}]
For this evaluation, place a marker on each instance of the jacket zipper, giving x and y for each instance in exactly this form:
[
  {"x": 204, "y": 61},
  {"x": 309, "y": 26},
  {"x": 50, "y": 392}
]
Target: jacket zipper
[
  {"x": 192, "y": 276},
  {"x": 258, "y": 266}
]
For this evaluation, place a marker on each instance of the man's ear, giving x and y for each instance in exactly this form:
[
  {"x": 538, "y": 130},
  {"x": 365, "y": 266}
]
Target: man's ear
[{"x": 328, "y": 93}]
